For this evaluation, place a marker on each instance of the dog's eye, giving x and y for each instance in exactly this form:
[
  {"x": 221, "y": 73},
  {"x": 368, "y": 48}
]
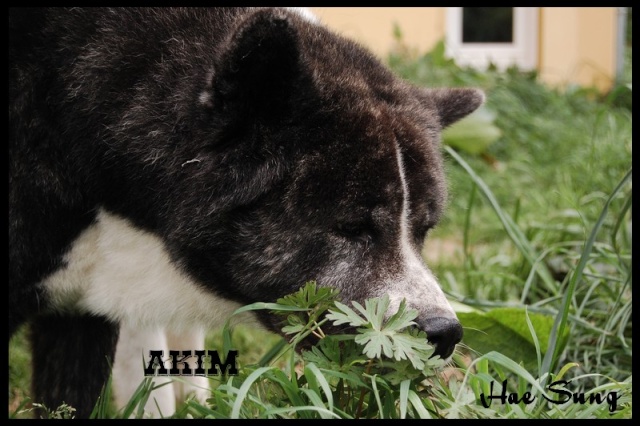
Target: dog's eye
[{"x": 356, "y": 231}]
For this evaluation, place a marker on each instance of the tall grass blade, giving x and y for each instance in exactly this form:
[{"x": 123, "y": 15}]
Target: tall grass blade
[
  {"x": 244, "y": 390},
  {"x": 518, "y": 238},
  {"x": 560, "y": 323},
  {"x": 314, "y": 378},
  {"x": 404, "y": 398}
]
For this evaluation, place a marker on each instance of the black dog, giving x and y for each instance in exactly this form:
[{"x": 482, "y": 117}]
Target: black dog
[{"x": 167, "y": 165}]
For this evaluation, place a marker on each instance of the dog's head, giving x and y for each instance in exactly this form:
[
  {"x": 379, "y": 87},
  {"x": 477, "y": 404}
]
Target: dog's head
[{"x": 320, "y": 165}]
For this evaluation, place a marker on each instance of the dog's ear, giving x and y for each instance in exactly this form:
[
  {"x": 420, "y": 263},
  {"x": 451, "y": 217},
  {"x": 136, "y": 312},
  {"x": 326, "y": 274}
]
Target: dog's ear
[
  {"x": 451, "y": 105},
  {"x": 255, "y": 76}
]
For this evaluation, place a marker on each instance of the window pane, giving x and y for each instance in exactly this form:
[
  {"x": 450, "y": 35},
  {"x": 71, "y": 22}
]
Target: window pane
[{"x": 487, "y": 24}]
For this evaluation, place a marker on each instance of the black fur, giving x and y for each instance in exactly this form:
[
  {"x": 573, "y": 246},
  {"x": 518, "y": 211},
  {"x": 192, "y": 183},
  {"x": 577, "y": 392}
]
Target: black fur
[
  {"x": 84, "y": 353},
  {"x": 294, "y": 130}
]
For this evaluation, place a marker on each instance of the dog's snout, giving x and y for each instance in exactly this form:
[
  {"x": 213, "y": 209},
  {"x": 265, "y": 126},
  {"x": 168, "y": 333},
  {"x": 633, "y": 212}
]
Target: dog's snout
[{"x": 444, "y": 333}]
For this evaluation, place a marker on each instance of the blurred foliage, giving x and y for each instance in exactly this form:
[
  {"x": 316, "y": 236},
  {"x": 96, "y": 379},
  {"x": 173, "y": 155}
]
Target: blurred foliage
[{"x": 474, "y": 133}]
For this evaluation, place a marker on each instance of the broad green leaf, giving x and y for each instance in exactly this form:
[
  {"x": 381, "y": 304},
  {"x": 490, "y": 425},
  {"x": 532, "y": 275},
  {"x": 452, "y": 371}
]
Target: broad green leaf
[
  {"x": 505, "y": 330},
  {"x": 474, "y": 133}
]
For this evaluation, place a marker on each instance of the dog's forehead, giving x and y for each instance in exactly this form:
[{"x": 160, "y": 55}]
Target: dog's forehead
[
  {"x": 369, "y": 163},
  {"x": 356, "y": 162}
]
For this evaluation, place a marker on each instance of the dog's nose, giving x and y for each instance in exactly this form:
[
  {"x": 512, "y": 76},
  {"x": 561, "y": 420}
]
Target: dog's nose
[{"x": 442, "y": 332}]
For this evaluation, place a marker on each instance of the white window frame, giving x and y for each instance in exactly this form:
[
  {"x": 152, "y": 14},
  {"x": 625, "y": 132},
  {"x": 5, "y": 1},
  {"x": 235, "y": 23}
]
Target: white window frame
[{"x": 523, "y": 52}]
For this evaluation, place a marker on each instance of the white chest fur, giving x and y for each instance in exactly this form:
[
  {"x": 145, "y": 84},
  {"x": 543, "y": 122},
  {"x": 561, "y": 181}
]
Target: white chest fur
[{"x": 125, "y": 274}]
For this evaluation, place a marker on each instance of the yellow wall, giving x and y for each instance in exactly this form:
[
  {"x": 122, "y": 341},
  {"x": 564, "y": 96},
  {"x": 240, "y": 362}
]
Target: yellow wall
[
  {"x": 576, "y": 45},
  {"x": 421, "y": 27}
]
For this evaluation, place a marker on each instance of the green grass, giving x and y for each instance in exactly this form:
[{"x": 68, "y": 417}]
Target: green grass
[
  {"x": 557, "y": 187},
  {"x": 540, "y": 224}
]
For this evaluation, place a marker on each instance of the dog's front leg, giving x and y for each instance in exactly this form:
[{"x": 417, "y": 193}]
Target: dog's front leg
[
  {"x": 128, "y": 371},
  {"x": 72, "y": 358}
]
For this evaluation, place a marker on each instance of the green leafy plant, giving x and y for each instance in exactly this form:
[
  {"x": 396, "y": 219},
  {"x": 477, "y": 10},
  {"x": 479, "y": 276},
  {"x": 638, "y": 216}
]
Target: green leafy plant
[
  {"x": 376, "y": 367},
  {"x": 370, "y": 364}
]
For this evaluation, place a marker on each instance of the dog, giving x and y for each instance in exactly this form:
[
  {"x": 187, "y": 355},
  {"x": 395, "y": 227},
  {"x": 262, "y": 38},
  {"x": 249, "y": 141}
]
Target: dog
[{"x": 168, "y": 165}]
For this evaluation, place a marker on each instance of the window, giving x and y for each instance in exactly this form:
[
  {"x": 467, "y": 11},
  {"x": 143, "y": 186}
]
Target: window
[{"x": 504, "y": 36}]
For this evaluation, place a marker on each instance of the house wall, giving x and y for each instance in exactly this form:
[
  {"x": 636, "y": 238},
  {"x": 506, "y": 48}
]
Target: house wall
[
  {"x": 576, "y": 45},
  {"x": 422, "y": 27}
]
